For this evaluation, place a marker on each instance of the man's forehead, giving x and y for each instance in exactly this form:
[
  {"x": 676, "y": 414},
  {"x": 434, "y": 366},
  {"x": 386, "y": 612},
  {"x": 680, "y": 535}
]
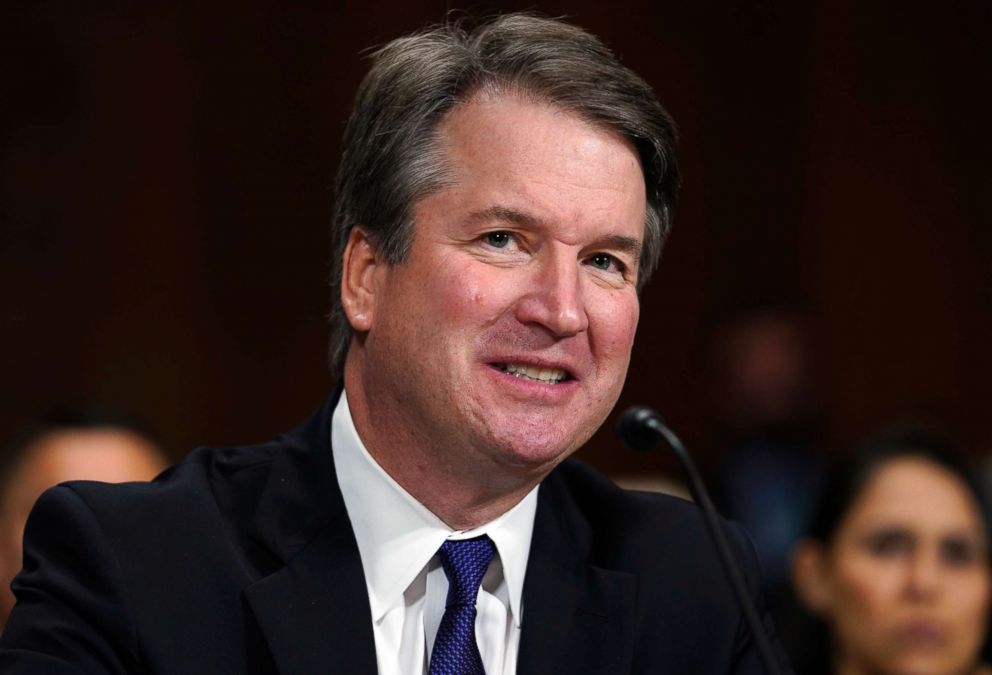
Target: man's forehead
[
  {"x": 489, "y": 96},
  {"x": 512, "y": 153},
  {"x": 527, "y": 135}
]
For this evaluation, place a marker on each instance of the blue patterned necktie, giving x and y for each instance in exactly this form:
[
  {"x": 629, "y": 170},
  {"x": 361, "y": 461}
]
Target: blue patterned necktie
[{"x": 455, "y": 650}]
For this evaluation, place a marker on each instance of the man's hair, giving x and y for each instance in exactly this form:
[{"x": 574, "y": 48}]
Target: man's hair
[{"x": 392, "y": 156}]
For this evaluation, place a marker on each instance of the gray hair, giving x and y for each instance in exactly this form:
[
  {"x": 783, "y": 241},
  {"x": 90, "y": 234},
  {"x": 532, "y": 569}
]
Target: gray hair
[{"x": 392, "y": 157}]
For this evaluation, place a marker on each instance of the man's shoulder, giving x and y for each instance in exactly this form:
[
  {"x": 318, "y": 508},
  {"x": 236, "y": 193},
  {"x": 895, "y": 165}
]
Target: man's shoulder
[
  {"x": 133, "y": 556},
  {"x": 600, "y": 500},
  {"x": 637, "y": 530},
  {"x": 229, "y": 481},
  {"x": 206, "y": 475},
  {"x": 197, "y": 511}
]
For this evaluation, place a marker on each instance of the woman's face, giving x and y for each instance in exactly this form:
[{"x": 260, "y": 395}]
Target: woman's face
[{"x": 905, "y": 585}]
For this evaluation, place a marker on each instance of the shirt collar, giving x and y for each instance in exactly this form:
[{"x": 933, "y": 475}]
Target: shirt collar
[{"x": 397, "y": 535}]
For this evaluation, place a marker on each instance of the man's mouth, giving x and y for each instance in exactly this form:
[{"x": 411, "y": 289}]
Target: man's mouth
[{"x": 535, "y": 373}]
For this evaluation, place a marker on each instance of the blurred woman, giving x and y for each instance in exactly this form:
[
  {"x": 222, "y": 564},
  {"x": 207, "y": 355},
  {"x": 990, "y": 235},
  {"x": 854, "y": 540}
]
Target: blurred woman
[{"x": 897, "y": 564}]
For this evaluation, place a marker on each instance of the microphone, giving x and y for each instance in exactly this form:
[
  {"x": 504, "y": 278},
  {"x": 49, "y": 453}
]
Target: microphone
[{"x": 641, "y": 428}]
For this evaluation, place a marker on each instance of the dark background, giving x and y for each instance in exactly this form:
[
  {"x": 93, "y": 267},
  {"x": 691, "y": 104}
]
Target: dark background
[{"x": 165, "y": 193}]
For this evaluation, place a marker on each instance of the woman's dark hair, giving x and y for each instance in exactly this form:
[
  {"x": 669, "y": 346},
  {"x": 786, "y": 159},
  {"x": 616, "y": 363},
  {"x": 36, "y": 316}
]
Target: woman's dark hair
[
  {"x": 848, "y": 479},
  {"x": 807, "y": 639}
]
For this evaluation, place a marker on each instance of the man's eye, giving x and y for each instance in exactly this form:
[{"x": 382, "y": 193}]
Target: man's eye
[
  {"x": 605, "y": 262},
  {"x": 498, "y": 239}
]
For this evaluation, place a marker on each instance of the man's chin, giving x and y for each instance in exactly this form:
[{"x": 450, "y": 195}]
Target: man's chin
[{"x": 535, "y": 452}]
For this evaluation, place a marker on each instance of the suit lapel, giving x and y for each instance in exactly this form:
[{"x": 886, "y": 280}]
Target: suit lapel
[
  {"x": 311, "y": 608},
  {"x": 311, "y": 611},
  {"x": 577, "y": 618}
]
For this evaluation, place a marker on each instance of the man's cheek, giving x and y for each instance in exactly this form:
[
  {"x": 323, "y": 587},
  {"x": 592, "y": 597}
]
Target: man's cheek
[
  {"x": 470, "y": 296},
  {"x": 615, "y": 336}
]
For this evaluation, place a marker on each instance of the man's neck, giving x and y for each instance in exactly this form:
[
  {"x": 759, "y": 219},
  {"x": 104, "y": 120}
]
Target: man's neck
[
  {"x": 464, "y": 491},
  {"x": 461, "y": 502}
]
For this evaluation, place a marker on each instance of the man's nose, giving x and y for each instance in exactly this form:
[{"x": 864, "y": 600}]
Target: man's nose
[{"x": 554, "y": 299}]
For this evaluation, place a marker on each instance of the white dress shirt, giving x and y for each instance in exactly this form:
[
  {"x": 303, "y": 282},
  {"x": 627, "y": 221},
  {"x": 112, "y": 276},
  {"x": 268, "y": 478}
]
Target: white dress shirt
[{"x": 398, "y": 539}]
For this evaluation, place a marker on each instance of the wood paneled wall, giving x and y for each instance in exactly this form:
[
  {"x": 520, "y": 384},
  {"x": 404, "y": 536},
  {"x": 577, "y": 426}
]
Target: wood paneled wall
[{"x": 165, "y": 189}]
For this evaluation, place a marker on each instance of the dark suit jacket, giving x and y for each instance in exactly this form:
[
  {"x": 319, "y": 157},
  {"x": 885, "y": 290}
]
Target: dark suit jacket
[{"x": 243, "y": 560}]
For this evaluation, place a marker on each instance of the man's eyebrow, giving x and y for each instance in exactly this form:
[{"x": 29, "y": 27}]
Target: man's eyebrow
[
  {"x": 624, "y": 244},
  {"x": 506, "y": 214}
]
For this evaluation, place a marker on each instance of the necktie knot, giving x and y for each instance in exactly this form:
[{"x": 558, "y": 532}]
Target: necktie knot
[{"x": 465, "y": 562}]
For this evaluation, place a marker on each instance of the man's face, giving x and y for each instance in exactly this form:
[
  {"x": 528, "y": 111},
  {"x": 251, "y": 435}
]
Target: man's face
[{"x": 506, "y": 334}]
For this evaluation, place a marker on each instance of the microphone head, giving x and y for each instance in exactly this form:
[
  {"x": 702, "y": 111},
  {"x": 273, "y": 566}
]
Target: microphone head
[{"x": 638, "y": 428}]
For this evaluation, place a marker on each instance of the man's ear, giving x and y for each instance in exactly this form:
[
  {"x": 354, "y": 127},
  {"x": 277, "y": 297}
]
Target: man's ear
[
  {"x": 810, "y": 576},
  {"x": 358, "y": 288}
]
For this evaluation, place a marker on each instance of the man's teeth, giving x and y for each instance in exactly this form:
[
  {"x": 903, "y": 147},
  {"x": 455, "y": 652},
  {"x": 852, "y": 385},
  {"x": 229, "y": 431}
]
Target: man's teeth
[{"x": 546, "y": 375}]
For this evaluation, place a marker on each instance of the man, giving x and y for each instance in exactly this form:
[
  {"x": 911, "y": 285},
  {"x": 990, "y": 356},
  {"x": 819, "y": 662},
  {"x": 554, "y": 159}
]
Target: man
[
  {"x": 502, "y": 196},
  {"x": 64, "y": 444}
]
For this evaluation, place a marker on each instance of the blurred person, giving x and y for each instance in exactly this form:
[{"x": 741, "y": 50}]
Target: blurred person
[
  {"x": 762, "y": 384},
  {"x": 64, "y": 445},
  {"x": 896, "y": 565}
]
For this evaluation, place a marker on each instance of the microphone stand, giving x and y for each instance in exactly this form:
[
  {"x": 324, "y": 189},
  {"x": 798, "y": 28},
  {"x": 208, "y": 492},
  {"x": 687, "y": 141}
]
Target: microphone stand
[{"x": 635, "y": 439}]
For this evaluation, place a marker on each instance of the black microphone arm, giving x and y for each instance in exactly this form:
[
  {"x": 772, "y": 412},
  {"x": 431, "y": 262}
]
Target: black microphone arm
[{"x": 641, "y": 428}]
